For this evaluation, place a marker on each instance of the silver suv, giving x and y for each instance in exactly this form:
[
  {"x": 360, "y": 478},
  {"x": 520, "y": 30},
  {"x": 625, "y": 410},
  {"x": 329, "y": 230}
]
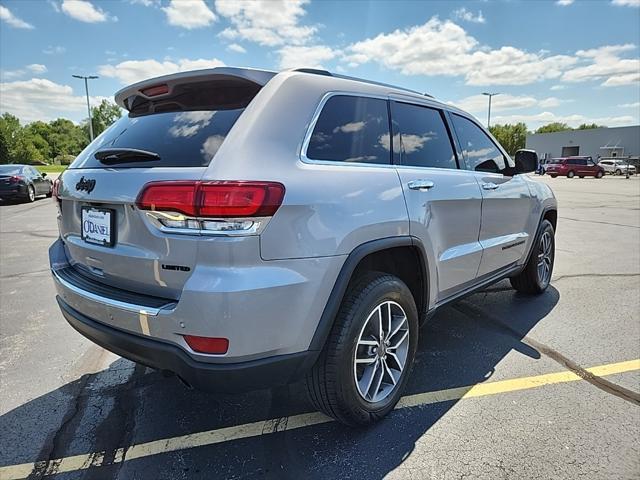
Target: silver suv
[{"x": 244, "y": 228}]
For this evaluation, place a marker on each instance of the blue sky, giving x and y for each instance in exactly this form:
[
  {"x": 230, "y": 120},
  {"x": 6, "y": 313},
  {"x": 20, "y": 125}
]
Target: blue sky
[{"x": 571, "y": 61}]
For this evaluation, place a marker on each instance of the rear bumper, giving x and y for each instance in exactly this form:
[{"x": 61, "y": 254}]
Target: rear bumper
[
  {"x": 13, "y": 192},
  {"x": 228, "y": 377}
]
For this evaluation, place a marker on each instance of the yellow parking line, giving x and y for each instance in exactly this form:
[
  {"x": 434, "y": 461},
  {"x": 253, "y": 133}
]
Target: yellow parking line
[{"x": 255, "y": 429}]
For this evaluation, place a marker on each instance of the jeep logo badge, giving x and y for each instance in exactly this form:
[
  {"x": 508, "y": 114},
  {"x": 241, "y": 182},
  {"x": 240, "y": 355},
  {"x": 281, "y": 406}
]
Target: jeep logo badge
[{"x": 86, "y": 185}]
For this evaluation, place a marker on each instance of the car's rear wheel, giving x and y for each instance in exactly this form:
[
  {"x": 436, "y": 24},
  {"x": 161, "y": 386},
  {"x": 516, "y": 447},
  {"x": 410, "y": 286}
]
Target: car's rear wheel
[
  {"x": 31, "y": 194},
  {"x": 536, "y": 276},
  {"x": 364, "y": 366},
  {"x": 571, "y": 174},
  {"x": 599, "y": 174}
]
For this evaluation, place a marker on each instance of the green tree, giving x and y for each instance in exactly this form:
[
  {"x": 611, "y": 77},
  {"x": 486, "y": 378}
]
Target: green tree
[
  {"x": 10, "y": 132},
  {"x": 66, "y": 138},
  {"x": 553, "y": 127},
  {"x": 103, "y": 116},
  {"x": 511, "y": 136},
  {"x": 588, "y": 126}
]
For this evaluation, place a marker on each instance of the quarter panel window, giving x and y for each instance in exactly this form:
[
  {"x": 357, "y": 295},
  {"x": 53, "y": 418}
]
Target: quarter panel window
[
  {"x": 422, "y": 137},
  {"x": 352, "y": 129},
  {"x": 481, "y": 154}
]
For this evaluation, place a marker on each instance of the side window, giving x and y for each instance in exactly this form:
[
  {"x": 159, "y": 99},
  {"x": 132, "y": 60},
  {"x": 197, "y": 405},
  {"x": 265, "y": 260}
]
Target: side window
[
  {"x": 423, "y": 140},
  {"x": 352, "y": 129},
  {"x": 480, "y": 152}
]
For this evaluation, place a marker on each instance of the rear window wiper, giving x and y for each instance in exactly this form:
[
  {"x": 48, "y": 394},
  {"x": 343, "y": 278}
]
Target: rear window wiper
[{"x": 123, "y": 155}]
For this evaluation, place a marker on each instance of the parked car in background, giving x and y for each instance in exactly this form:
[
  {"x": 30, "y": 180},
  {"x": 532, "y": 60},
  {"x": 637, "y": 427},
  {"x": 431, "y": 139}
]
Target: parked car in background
[
  {"x": 574, "y": 167},
  {"x": 244, "y": 229},
  {"x": 23, "y": 182},
  {"x": 617, "y": 166}
]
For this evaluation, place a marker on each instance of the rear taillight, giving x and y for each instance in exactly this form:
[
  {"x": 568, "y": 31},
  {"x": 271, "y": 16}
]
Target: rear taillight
[
  {"x": 55, "y": 188},
  {"x": 218, "y": 206},
  {"x": 15, "y": 179}
]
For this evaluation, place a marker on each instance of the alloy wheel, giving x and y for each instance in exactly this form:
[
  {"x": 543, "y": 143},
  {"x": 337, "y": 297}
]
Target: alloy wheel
[
  {"x": 381, "y": 352},
  {"x": 32, "y": 194},
  {"x": 545, "y": 259}
]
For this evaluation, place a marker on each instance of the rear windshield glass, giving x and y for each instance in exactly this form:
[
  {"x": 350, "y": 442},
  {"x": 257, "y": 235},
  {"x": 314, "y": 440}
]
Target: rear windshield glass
[
  {"x": 180, "y": 139},
  {"x": 10, "y": 170}
]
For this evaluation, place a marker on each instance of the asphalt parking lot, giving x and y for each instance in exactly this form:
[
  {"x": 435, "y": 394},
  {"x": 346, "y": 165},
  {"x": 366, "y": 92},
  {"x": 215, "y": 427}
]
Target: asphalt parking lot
[{"x": 504, "y": 386}]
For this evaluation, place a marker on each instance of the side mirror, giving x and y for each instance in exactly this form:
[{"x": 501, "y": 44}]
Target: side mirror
[
  {"x": 44, "y": 174},
  {"x": 526, "y": 161}
]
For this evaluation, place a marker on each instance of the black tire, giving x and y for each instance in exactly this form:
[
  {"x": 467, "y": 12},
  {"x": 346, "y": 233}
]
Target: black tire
[
  {"x": 332, "y": 381},
  {"x": 31, "y": 194},
  {"x": 618, "y": 172},
  {"x": 599, "y": 174},
  {"x": 581, "y": 176},
  {"x": 552, "y": 175},
  {"x": 529, "y": 281},
  {"x": 571, "y": 174},
  {"x": 50, "y": 193}
]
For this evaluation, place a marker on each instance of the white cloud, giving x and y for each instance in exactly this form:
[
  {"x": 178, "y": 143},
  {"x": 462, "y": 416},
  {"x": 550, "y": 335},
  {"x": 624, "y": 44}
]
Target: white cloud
[
  {"x": 11, "y": 19},
  {"x": 132, "y": 71},
  {"x": 234, "y": 47},
  {"x": 266, "y": 22},
  {"x": 54, "y": 50},
  {"x": 36, "y": 68},
  {"x": 301, "y": 56},
  {"x": 626, "y": 3},
  {"x": 533, "y": 121},
  {"x": 606, "y": 64},
  {"x": 146, "y": 3},
  {"x": 564, "y": 3},
  {"x": 479, "y": 103},
  {"x": 558, "y": 87},
  {"x": 630, "y": 105},
  {"x": 444, "y": 48},
  {"x": 468, "y": 16},
  {"x": 189, "y": 14},
  {"x": 42, "y": 99},
  {"x": 85, "y": 11}
]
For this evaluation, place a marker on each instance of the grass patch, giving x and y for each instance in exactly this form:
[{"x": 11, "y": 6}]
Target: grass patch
[{"x": 51, "y": 168}]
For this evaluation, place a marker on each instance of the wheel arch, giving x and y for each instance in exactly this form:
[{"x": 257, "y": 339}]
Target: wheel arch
[{"x": 376, "y": 255}]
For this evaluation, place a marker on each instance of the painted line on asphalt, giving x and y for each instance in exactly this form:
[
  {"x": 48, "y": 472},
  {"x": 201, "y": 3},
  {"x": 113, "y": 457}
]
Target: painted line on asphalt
[{"x": 255, "y": 429}]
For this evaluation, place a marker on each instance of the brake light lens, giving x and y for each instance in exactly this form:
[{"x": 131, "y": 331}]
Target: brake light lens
[
  {"x": 155, "y": 90},
  {"x": 15, "y": 179},
  {"x": 220, "y": 199},
  {"x": 55, "y": 188},
  {"x": 217, "y": 346}
]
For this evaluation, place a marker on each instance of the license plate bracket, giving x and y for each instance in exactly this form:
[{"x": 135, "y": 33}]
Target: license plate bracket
[{"x": 98, "y": 226}]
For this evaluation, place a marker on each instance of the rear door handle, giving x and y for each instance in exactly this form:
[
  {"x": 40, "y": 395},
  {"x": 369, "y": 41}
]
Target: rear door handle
[
  {"x": 489, "y": 186},
  {"x": 421, "y": 184}
]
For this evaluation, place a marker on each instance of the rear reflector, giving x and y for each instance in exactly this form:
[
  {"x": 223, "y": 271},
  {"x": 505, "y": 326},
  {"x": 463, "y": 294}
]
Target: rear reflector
[
  {"x": 207, "y": 344},
  {"x": 155, "y": 90},
  {"x": 223, "y": 199}
]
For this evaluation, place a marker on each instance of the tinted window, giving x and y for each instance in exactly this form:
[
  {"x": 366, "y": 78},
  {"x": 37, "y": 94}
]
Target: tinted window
[
  {"x": 422, "y": 138},
  {"x": 480, "y": 152},
  {"x": 351, "y": 129},
  {"x": 10, "y": 170},
  {"x": 182, "y": 139}
]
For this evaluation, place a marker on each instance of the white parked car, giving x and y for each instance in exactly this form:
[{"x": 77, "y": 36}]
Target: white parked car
[{"x": 617, "y": 167}]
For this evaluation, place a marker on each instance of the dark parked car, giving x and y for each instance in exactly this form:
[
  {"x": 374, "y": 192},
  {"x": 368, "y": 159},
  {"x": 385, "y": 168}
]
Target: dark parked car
[
  {"x": 23, "y": 182},
  {"x": 574, "y": 166}
]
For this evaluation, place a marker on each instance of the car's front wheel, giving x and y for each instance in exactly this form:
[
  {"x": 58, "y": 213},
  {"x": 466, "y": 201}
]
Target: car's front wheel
[
  {"x": 618, "y": 172},
  {"x": 571, "y": 174},
  {"x": 599, "y": 174},
  {"x": 536, "y": 276},
  {"x": 364, "y": 366}
]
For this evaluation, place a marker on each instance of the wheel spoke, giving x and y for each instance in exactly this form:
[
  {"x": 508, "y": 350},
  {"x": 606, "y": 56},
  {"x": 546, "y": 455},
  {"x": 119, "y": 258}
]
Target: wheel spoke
[
  {"x": 389, "y": 372},
  {"x": 372, "y": 343},
  {"x": 370, "y": 373},
  {"x": 390, "y": 317},
  {"x": 366, "y": 361},
  {"x": 397, "y": 360},
  {"x": 378, "y": 382},
  {"x": 404, "y": 336},
  {"x": 380, "y": 329}
]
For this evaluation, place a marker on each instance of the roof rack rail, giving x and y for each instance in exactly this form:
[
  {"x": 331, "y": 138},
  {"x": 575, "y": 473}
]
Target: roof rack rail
[{"x": 357, "y": 79}]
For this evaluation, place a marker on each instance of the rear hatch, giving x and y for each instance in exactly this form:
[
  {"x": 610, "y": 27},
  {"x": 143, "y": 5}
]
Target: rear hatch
[{"x": 172, "y": 130}]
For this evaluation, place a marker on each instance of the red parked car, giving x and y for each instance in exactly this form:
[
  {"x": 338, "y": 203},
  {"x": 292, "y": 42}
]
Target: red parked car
[{"x": 574, "y": 166}]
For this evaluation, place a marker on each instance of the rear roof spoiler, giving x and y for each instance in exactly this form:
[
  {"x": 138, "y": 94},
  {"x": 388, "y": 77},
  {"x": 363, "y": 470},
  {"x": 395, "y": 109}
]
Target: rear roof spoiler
[{"x": 258, "y": 77}]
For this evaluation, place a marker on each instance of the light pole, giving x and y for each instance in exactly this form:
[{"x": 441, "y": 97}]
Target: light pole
[
  {"x": 86, "y": 91},
  {"x": 489, "y": 113}
]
